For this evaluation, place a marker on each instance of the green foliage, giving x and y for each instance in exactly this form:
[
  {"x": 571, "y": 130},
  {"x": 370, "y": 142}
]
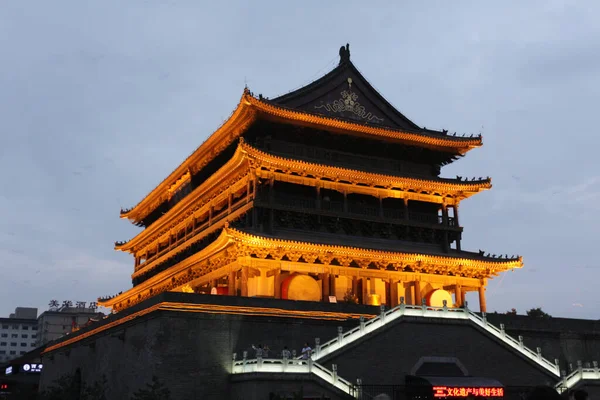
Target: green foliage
[
  {"x": 64, "y": 388},
  {"x": 350, "y": 297},
  {"x": 512, "y": 312},
  {"x": 68, "y": 387},
  {"x": 95, "y": 391},
  {"x": 537, "y": 313},
  {"x": 153, "y": 391}
]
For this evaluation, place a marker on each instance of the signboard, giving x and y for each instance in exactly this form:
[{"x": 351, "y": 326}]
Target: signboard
[
  {"x": 8, "y": 370},
  {"x": 444, "y": 391},
  {"x": 31, "y": 368}
]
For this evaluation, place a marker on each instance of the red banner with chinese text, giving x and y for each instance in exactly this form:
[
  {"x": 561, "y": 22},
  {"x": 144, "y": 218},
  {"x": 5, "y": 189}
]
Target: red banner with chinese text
[{"x": 444, "y": 391}]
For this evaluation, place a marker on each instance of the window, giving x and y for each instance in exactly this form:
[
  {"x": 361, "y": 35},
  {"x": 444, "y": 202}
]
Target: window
[
  {"x": 15, "y": 326},
  {"x": 32, "y": 344},
  {"x": 13, "y": 344},
  {"x": 14, "y": 335},
  {"x": 2, "y": 351},
  {"x": 25, "y": 327},
  {"x": 34, "y": 328},
  {"x": 12, "y": 352},
  {"x": 23, "y": 352},
  {"x": 5, "y": 335},
  {"x": 23, "y": 344},
  {"x": 2, "y": 343},
  {"x": 24, "y": 336},
  {"x": 33, "y": 336},
  {"x": 4, "y": 326}
]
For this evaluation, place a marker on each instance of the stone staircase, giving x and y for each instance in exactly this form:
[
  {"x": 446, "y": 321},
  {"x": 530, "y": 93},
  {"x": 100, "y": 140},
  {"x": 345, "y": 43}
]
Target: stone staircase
[{"x": 371, "y": 326}]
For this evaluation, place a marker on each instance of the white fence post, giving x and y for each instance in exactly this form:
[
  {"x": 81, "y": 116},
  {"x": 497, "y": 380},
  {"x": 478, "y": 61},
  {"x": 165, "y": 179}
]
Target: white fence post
[
  {"x": 362, "y": 323},
  {"x": 334, "y": 373},
  {"x": 340, "y": 335},
  {"x": 317, "y": 346},
  {"x": 233, "y": 362}
]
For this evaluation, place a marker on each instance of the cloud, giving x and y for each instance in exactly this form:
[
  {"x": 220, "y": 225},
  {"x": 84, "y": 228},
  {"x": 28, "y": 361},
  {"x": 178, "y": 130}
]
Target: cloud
[{"x": 97, "y": 111}]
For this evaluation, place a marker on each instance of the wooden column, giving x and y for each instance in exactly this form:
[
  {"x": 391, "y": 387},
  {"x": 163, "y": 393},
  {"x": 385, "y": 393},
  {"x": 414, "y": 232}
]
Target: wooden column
[
  {"x": 445, "y": 240},
  {"x": 355, "y": 286},
  {"x": 365, "y": 290},
  {"x": 277, "y": 284},
  {"x": 244, "y": 281},
  {"x": 325, "y": 286},
  {"x": 271, "y": 202},
  {"x": 231, "y": 284},
  {"x": 459, "y": 296},
  {"x": 229, "y": 201},
  {"x": 457, "y": 224},
  {"x": 345, "y": 202},
  {"x": 406, "y": 209},
  {"x": 380, "y": 206},
  {"x": 213, "y": 283},
  {"x": 388, "y": 292},
  {"x": 456, "y": 215},
  {"x": 418, "y": 293},
  {"x": 393, "y": 302},
  {"x": 248, "y": 191},
  {"x": 318, "y": 200},
  {"x": 482, "y": 305},
  {"x": 332, "y": 285}
]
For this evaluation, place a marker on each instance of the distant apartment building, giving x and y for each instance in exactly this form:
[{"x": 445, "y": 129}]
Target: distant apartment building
[
  {"x": 18, "y": 333},
  {"x": 58, "y": 321}
]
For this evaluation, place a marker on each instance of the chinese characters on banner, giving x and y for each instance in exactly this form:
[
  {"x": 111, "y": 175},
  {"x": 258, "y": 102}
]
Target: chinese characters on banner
[
  {"x": 55, "y": 305},
  {"x": 444, "y": 391}
]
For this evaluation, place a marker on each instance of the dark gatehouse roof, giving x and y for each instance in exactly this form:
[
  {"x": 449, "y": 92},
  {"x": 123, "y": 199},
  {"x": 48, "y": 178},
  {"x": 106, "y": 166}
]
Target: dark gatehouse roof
[{"x": 344, "y": 93}]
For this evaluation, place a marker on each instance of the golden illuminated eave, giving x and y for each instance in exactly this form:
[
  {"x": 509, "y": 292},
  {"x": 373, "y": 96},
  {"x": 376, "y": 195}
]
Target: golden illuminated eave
[
  {"x": 247, "y": 159},
  {"x": 369, "y": 179},
  {"x": 271, "y": 246},
  {"x": 247, "y": 111},
  {"x": 232, "y": 244}
]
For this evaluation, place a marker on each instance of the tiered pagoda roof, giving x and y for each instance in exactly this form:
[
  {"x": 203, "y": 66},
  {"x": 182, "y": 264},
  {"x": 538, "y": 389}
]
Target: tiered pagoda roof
[
  {"x": 342, "y": 101},
  {"x": 224, "y": 210}
]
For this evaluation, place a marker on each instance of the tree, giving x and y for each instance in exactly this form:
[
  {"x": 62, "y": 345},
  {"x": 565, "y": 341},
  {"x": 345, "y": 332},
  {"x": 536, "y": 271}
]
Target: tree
[
  {"x": 512, "y": 312},
  {"x": 154, "y": 391},
  {"x": 69, "y": 387},
  {"x": 64, "y": 388},
  {"x": 350, "y": 297},
  {"x": 538, "y": 313},
  {"x": 95, "y": 391}
]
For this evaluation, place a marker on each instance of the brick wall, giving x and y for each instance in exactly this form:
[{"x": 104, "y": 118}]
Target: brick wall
[{"x": 192, "y": 352}]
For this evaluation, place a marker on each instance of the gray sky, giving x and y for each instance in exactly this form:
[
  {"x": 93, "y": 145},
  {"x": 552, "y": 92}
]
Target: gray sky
[{"x": 99, "y": 101}]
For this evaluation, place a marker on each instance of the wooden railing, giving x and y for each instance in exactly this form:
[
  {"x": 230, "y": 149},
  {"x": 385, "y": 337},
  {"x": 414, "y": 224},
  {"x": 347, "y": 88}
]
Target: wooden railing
[{"x": 306, "y": 203}]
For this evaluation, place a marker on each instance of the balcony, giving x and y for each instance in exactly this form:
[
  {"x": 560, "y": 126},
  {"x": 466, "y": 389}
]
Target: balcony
[{"x": 336, "y": 208}]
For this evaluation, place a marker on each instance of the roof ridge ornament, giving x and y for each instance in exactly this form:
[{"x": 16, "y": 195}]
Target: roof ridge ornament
[{"x": 345, "y": 54}]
